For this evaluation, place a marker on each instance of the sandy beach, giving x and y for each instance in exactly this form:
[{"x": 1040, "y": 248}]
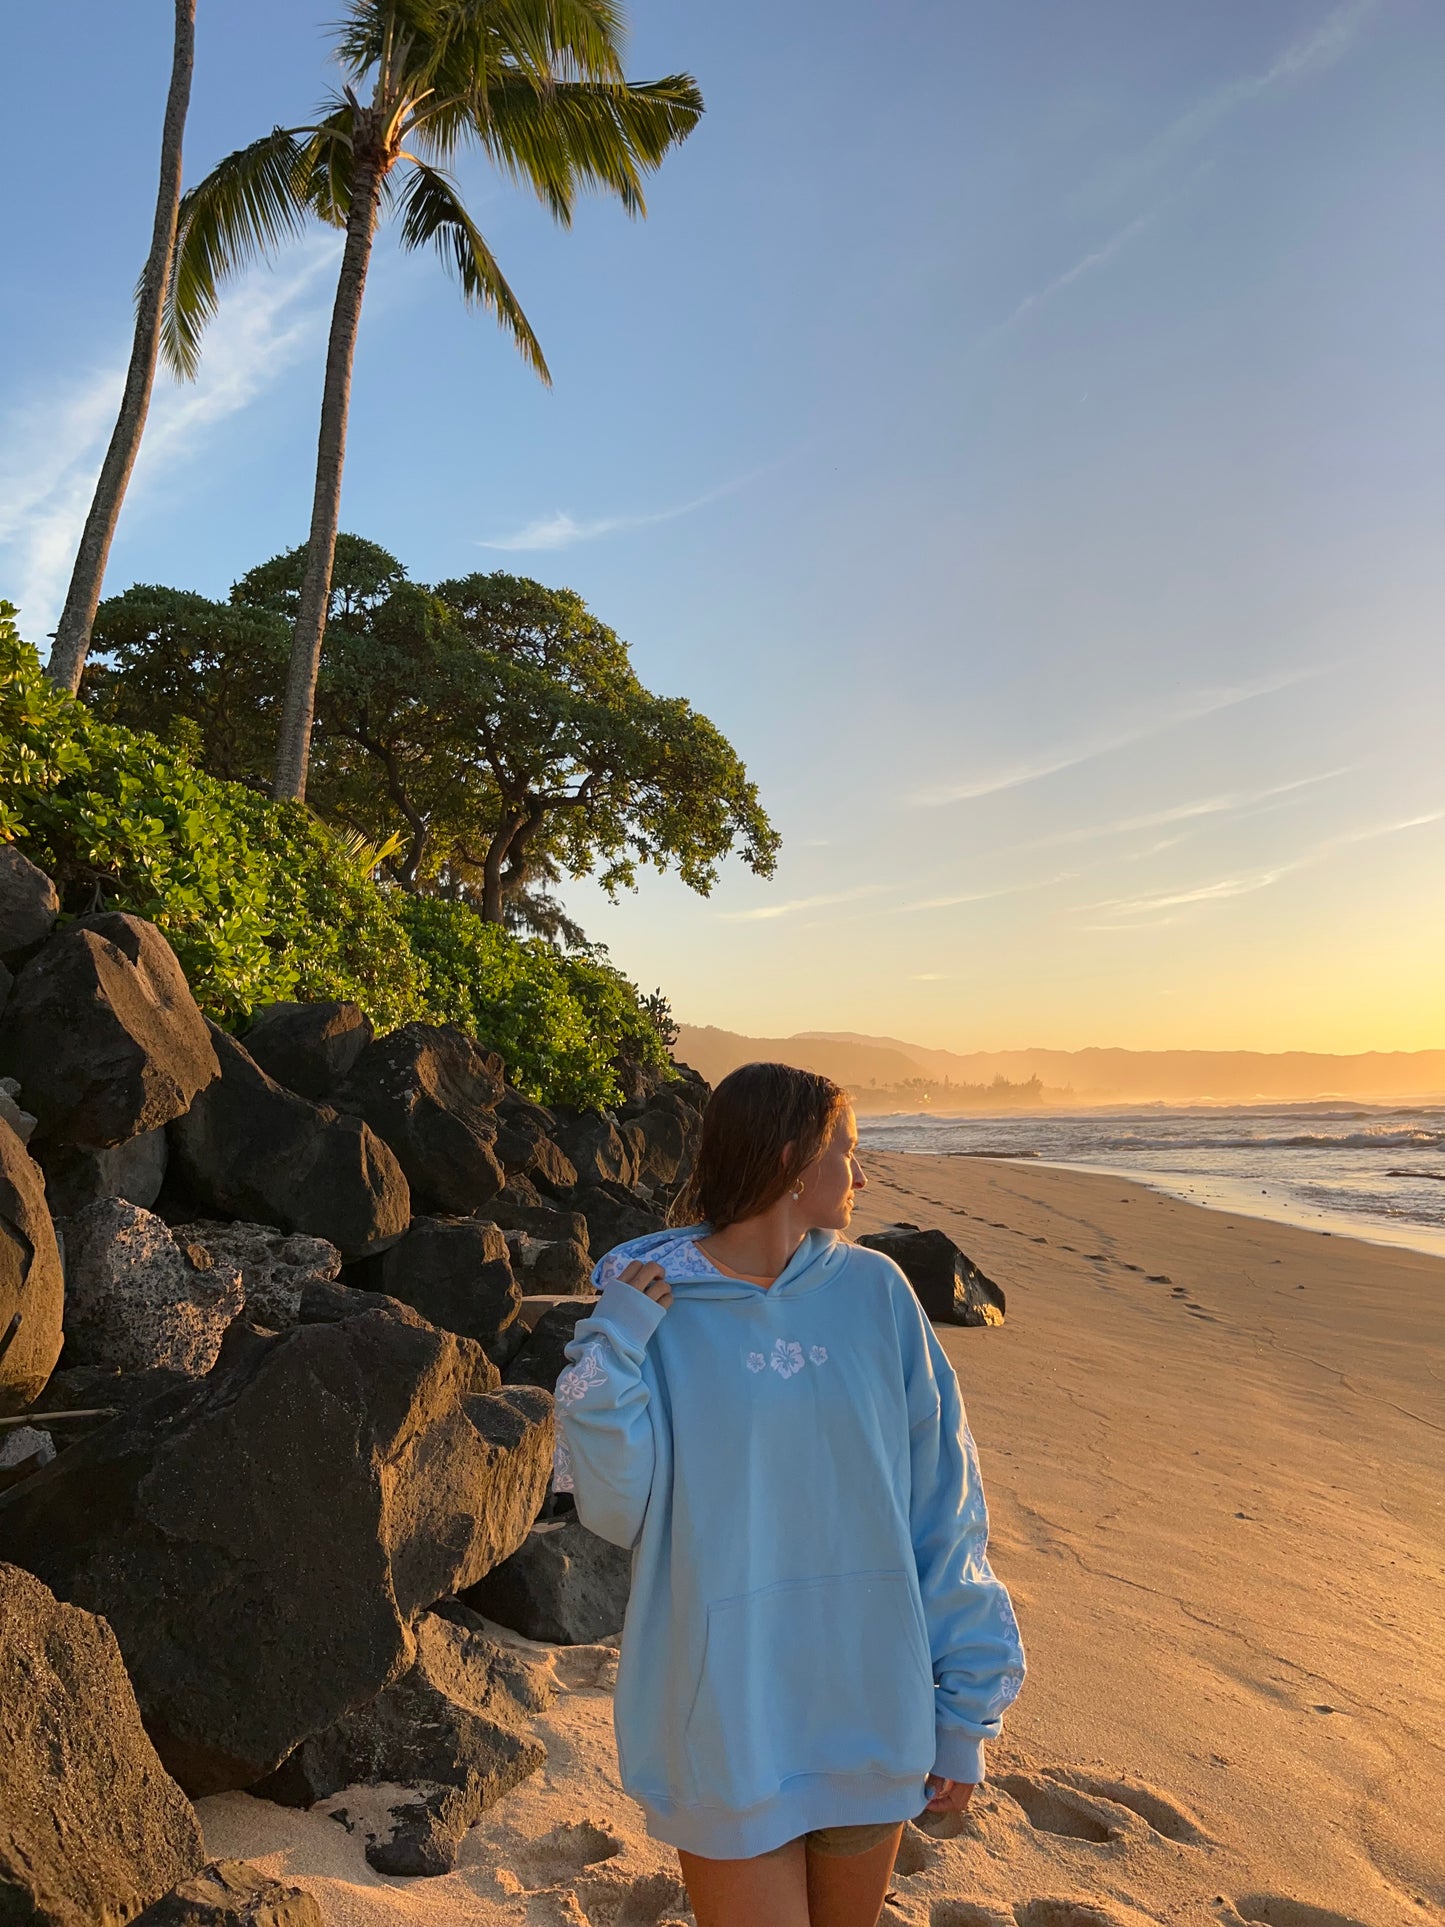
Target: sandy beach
[{"x": 1215, "y": 1454}]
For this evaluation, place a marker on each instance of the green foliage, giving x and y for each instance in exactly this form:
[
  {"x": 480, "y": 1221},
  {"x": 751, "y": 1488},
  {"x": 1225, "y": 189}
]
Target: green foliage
[
  {"x": 261, "y": 901},
  {"x": 560, "y": 1022},
  {"x": 201, "y": 675}
]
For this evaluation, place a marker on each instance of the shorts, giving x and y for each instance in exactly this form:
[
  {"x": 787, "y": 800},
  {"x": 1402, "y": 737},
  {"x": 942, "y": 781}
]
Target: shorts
[{"x": 840, "y": 1842}]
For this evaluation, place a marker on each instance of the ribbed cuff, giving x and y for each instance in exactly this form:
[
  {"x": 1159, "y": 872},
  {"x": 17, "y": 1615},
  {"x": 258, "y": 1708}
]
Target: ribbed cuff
[
  {"x": 958, "y": 1757},
  {"x": 629, "y": 1311}
]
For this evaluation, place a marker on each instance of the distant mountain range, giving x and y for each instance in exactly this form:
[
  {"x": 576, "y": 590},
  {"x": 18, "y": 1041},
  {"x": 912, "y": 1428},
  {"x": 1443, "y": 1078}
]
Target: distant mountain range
[{"x": 889, "y": 1069}]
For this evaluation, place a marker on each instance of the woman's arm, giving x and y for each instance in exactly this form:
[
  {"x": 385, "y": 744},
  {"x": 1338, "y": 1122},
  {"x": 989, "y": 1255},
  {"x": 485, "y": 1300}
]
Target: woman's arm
[
  {"x": 978, "y": 1661},
  {"x": 602, "y": 1402}
]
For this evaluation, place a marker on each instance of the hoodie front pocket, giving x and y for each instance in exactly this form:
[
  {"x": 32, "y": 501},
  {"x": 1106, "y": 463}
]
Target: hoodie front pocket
[{"x": 811, "y": 1676}]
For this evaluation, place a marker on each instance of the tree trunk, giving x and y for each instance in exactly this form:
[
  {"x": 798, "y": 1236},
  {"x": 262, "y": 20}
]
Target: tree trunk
[
  {"x": 72, "y": 634},
  {"x": 294, "y": 745},
  {"x": 492, "y": 895}
]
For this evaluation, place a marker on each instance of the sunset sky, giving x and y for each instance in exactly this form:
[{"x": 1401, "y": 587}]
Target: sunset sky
[{"x": 1020, "y": 426}]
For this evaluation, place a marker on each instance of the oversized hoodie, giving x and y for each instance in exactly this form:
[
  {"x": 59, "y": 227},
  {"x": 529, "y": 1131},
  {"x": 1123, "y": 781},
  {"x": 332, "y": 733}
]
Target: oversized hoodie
[{"x": 813, "y": 1627}]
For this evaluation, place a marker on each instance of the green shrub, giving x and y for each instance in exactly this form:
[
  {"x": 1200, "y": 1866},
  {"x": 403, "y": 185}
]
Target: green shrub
[
  {"x": 262, "y": 901},
  {"x": 559, "y": 1022}
]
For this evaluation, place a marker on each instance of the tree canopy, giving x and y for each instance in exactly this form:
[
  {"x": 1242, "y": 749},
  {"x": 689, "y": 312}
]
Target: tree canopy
[{"x": 494, "y": 722}]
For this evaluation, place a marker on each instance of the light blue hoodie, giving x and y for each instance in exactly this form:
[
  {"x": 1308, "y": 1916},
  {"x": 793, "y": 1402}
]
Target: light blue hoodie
[{"x": 813, "y": 1626}]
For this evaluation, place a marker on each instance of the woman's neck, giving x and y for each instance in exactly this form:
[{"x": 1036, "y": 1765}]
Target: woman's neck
[{"x": 760, "y": 1247}]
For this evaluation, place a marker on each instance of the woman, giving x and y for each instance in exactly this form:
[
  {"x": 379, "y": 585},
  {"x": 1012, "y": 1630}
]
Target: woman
[{"x": 815, "y": 1646}]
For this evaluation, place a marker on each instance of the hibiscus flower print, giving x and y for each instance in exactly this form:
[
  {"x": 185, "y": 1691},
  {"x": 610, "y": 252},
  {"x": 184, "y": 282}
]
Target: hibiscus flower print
[
  {"x": 787, "y": 1358},
  {"x": 756, "y": 1362},
  {"x": 573, "y": 1383},
  {"x": 818, "y": 1354}
]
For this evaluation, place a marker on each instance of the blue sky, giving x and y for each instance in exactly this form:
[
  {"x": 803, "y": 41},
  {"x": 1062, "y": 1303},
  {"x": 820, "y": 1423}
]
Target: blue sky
[{"x": 1018, "y": 425}]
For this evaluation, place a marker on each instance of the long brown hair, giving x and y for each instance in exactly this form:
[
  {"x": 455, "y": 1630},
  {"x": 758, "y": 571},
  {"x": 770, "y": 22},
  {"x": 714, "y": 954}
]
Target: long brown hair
[{"x": 764, "y": 1125}]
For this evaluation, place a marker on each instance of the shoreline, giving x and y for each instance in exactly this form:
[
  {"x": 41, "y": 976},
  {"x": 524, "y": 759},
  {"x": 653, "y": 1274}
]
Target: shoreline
[
  {"x": 1326, "y": 1224},
  {"x": 1212, "y": 1449}
]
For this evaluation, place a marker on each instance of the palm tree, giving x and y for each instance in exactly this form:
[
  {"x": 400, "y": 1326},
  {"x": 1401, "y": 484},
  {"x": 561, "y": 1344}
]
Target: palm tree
[
  {"x": 72, "y": 634},
  {"x": 537, "y": 85}
]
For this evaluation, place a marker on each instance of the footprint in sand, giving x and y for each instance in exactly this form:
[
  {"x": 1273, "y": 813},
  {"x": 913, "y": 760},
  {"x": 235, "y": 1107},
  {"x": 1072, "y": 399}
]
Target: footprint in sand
[
  {"x": 1155, "y": 1809},
  {"x": 1080, "y": 1806},
  {"x": 615, "y": 1901},
  {"x": 1274, "y": 1910},
  {"x": 563, "y": 1853}
]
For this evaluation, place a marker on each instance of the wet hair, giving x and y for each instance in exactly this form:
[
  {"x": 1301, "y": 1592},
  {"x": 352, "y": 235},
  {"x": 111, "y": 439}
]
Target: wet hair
[{"x": 764, "y": 1125}]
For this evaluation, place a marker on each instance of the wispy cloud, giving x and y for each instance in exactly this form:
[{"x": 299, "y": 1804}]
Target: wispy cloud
[
  {"x": 765, "y": 912},
  {"x": 987, "y": 896},
  {"x": 561, "y": 530},
  {"x": 1231, "y": 803},
  {"x": 50, "y": 451},
  {"x": 1189, "y": 709},
  {"x": 1142, "y": 910},
  {"x": 1313, "y": 52},
  {"x": 1096, "y": 258}
]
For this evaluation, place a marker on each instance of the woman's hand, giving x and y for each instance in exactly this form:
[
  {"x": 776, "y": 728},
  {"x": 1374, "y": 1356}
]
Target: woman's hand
[
  {"x": 650, "y": 1280},
  {"x": 949, "y": 1796}
]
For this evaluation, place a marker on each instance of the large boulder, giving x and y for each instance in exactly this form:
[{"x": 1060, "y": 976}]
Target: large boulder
[
  {"x": 76, "y": 1176},
  {"x": 103, "y": 1033},
  {"x": 950, "y": 1287},
  {"x": 614, "y": 1214},
  {"x": 262, "y": 1539},
  {"x": 31, "y": 1285},
  {"x": 454, "y": 1729},
  {"x": 563, "y": 1585},
  {"x": 457, "y": 1273},
  {"x": 308, "y": 1048},
  {"x": 248, "y": 1149},
  {"x": 432, "y": 1094},
  {"x": 233, "y": 1893},
  {"x": 664, "y": 1140},
  {"x": 542, "y": 1360},
  {"x": 28, "y": 904},
  {"x": 595, "y": 1146},
  {"x": 138, "y": 1298},
  {"x": 276, "y": 1267},
  {"x": 92, "y": 1827},
  {"x": 524, "y": 1146},
  {"x": 549, "y": 1264}
]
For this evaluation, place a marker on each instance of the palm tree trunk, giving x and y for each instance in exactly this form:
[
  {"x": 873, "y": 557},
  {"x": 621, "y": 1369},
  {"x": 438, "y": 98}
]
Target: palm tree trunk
[
  {"x": 72, "y": 634},
  {"x": 294, "y": 744}
]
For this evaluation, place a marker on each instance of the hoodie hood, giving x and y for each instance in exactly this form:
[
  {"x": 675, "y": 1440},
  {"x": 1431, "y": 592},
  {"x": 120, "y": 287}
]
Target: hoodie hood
[{"x": 817, "y": 1260}]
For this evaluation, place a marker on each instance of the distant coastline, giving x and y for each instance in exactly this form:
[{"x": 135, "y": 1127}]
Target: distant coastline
[{"x": 886, "y": 1074}]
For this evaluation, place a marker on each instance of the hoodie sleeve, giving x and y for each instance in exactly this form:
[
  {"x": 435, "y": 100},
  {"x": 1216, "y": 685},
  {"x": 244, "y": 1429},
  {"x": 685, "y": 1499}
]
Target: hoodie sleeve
[
  {"x": 603, "y": 1422},
  {"x": 978, "y": 1661}
]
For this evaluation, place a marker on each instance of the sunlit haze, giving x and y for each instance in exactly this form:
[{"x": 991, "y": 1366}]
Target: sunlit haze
[{"x": 1019, "y": 427}]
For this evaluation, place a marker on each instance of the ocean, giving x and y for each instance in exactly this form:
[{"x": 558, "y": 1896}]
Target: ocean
[{"x": 1366, "y": 1171}]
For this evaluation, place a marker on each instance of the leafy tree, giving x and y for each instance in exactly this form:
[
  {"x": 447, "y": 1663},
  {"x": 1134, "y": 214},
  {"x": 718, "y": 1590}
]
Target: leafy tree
[
  {"x": 565, "y": 750},
  {"x": 180, "y": 659},
  {"x": 72, "y": 635},
  {"x": 536, "y": 85},
  {"x": 493, "y": 721},
  {"x": 505, "y": 726}
]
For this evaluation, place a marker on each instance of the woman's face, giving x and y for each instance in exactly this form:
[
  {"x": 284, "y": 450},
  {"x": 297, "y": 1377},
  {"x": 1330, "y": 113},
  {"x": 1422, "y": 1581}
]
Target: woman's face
[{"x": 831, "y": 1181}]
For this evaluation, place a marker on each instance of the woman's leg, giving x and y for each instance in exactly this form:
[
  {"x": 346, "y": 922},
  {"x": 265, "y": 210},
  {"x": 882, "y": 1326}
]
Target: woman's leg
[
  {"x": 848, "y": 1890},
  {"x": 771, "y": 1891}
]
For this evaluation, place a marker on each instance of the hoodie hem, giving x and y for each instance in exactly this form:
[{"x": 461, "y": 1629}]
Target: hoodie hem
[{"x": 809, "y": 1801}]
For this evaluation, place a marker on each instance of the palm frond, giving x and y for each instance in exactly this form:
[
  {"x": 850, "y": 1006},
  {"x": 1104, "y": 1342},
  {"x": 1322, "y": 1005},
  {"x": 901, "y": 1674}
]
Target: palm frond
[
  {"x": 245, "y": 207},
  {"x": 586, "y": 135},
  {"x": 432, "y": 212}
]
